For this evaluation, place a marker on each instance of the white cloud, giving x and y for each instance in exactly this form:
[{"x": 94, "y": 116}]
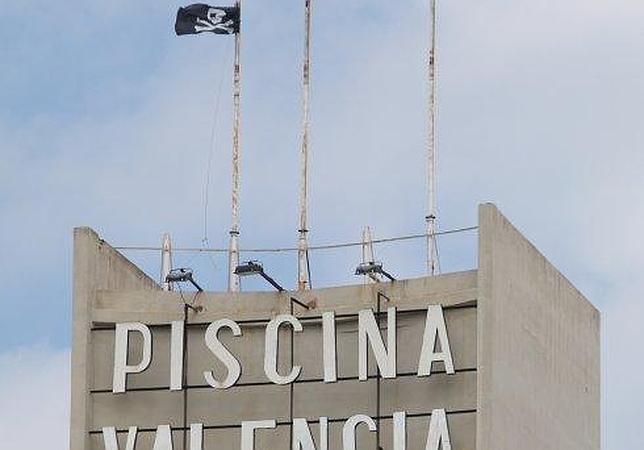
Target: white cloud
[{"x": 34, "y": 398}]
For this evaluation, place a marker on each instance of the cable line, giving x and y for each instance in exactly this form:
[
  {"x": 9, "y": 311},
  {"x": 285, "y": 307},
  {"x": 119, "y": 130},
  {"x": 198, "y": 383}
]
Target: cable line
[{"x": 295, "y": 249}]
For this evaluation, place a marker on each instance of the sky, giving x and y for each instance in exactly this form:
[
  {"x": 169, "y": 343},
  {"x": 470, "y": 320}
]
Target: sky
[{"x": 109, "y": 120}]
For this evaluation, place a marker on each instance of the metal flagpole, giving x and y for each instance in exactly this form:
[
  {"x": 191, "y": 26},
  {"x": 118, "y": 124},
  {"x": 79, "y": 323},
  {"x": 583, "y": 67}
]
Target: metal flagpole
[
  {"x": 303, "y": 281},
  {"x": 233, "y": 249},
  {"x": 430, "y": 218}
]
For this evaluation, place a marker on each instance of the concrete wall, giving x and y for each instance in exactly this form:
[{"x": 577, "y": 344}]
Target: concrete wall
[
  {"x": 97, "y": 266},
  {"x": 539, "y": 348}
]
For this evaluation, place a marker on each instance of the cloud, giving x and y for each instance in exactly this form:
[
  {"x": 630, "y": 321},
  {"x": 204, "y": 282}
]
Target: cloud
[{"x": 34, "y": 398}]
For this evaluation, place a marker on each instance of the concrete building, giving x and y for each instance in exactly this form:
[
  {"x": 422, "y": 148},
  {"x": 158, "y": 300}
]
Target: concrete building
[{"x": 525, "y": 347}]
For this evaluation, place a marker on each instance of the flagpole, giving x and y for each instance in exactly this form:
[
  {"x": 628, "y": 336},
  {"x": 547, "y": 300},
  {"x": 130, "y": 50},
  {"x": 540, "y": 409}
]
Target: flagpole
[
  {"x": 430, "y": 218},
  {"x": 233, "y": 250},
  {"x": 303, "y": 281}
]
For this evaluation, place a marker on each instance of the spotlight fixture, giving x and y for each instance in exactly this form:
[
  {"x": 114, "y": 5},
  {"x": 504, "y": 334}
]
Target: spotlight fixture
[
  {"x": 372, "y": 268},
  {"x": 251, "y": 268},
  {"x": 182, "y": 275}
]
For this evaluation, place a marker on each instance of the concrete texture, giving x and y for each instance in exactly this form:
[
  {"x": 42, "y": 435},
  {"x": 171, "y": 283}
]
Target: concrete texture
[
  {"x": 97, "y": 266},
  {"x": 538, "y": 347}
]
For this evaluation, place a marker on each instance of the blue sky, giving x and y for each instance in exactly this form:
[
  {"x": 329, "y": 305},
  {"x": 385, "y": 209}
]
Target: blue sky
[{"x": 106, "y": 119}]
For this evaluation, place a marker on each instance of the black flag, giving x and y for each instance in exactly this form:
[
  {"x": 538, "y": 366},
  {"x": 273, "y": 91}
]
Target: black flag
[{"x": 200, "y": 18}]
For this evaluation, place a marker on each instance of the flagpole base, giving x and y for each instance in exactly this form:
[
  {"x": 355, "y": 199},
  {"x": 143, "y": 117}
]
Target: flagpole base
[
  {"x": 303, "y": 281},
  {"x": 233, "y": 262}
]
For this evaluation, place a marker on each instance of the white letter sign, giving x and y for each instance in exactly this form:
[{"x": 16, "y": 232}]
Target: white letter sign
[
  {"x": 435, "y": 328},
  {"x": 329, "y": 357},
  {"x": 349, "y": 430},
  {"x": 224, "y": 355},
  {"x": 271, "y": 346},
  {"x": 121, "y": 341},
  {"x": 368, "y": 330},
  {"x": 248, "y": 431},
  {"x": 176, "y": 355},
  {"x": 163, "y": 438},
  {"x": 196, "y": 436},
  {"x": 438, "y": 431},
  {"x": 400, "y": 431},
  {"x": 302, "y": 439},
  {"x": 111, "y": 443}
]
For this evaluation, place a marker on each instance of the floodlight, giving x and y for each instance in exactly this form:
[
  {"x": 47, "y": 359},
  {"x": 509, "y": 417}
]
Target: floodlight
[
  {"x": 255, "y": 268},
  {"x": 182, "y": 275},
  {"x": 372, "y": 268},
  {"x": 250, "y": 268}
]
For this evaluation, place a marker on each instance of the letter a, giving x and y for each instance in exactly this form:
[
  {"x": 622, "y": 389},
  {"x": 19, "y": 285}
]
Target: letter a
[
  {"x": 435, "y": 329},
  {"x": 438, "y": 431}
]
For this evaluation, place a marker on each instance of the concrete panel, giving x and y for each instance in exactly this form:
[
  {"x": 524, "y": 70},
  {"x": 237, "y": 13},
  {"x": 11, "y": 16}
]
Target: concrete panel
[
  {"x": 157, "y": 375},
  {"x": 447, "y": 289},
  {"x": 539, "y": 359},
  {"x": 96, "y": 266},
  {"x": 411, "y": 394},
  {"x": 419, "y": 395},
  {"x": 342, "y": 399},
  {"x": 230, "y": 438},
  {"x": 232, "y": 406},
  {"x": 146, "y": 409}
]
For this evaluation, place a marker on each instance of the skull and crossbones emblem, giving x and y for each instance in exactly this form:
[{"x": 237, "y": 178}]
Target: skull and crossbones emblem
[{"x": 214, "y": 22}]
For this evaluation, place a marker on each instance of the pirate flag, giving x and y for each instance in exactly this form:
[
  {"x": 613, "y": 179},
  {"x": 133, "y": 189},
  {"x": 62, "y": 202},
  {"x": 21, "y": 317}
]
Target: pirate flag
[{"x": 200, "y": 18}]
